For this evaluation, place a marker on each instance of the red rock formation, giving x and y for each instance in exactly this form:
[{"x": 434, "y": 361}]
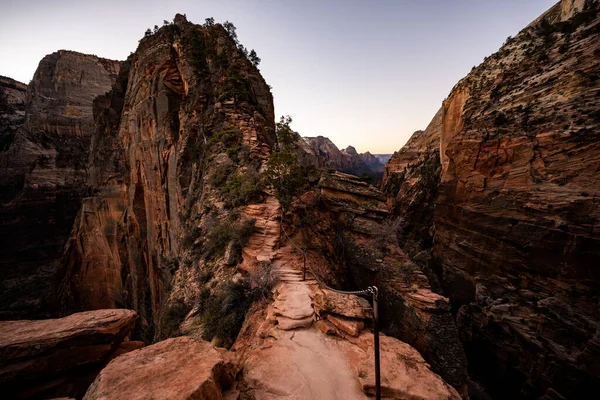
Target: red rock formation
[
  {"x": 42, "y": 176},
  {"x": 322, "y": 153},
  {"x": 352, "y": 246},
  {"x": 188, "y": 115},
  {"x": 57, "y": 357},
  {"x": 178, "y": 368},
  {"x": 516, "y": 217}
]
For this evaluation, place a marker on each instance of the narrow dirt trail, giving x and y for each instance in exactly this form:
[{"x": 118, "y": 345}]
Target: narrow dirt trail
[
  {"x": 291, "y": 353},
  {"x": 297, "y": 361}
]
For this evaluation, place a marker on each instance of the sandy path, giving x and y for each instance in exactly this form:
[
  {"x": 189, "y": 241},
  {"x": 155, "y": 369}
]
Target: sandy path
[{"x": 295, "y": 361}]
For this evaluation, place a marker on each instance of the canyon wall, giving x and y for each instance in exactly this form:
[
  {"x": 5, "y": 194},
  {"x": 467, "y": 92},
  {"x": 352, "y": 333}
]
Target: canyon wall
[
  {"x": 188, "y": 120},
  {"x": 42, "y": 174},
  {"x": 515, "y": 213}
]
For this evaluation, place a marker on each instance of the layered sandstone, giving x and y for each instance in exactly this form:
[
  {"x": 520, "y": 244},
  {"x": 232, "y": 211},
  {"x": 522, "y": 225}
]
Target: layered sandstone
[
  {"x": 43, "y": 172},
  {"x": 516, "y": 208},
  {"x": 352, "y": 245},
  {"x": 188, "y": 119},
  {"x": 59, "y": 356},
  {"x": 13, "y": 95}
]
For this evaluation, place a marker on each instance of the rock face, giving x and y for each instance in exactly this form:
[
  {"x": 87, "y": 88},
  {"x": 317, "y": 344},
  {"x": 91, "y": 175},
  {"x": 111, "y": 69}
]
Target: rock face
[
  {"x": 12, "y": 109},
  {"x": 43, "y": 172},
  {"x": 322, "y": 153},
  {"x": 57, "y": 356},
  {"x": 324, "y": 338},
  {"x": 187, "y": 121},
  {"x": 179, "y": 368},
  {"x": 353, "y": 246},
  {"x": 516, "y": 214}
]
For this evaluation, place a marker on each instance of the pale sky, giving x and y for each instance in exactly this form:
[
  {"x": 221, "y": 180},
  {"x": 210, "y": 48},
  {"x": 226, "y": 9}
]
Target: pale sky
[{"x": 363, "y": 73}]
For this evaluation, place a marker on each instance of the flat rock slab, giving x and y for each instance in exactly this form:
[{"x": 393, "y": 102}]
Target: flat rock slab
[
  {"x": 404, "y": 374},
  {"x": 342, "y": 304},
  {"x": 348, "y": 325},
  {"x": 30, "y": 349},
  {"x": 176, "y": 369}
]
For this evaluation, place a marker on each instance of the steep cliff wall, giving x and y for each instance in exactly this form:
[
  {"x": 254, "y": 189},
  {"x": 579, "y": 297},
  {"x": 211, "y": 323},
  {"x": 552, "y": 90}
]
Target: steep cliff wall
[
  {"x": 183, "y": 132},
  {"x": 13, "y": 96},
  {"x": 411, "y": 178},
  {"x": 516, "y": 215},
  {"x": 43, "y": 170},
  {"x": 352, "y": 245}
]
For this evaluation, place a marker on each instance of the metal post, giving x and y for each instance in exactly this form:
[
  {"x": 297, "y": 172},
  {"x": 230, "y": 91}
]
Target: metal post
[
  {"x": 376, "y": 342},
  {"x": 304, "y": 267}
]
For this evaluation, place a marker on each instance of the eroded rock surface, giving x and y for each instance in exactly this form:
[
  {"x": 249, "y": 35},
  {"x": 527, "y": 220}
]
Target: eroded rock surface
[
  {"x": 59, "y": 356},
  {"x": 516, "y": 210},
  {"x": 188, "y": 116},
  {"x": 284, "y": 355},
  {"x": 42, "y": 177},
  {"x": 179, "y": 368}
]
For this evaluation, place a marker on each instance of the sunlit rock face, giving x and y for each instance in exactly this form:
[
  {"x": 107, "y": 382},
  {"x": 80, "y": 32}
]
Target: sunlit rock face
[
  {"x": 515, "y": 215},
  {"x": 187, "y": 112},
  {"x": 43, "y": 172}
]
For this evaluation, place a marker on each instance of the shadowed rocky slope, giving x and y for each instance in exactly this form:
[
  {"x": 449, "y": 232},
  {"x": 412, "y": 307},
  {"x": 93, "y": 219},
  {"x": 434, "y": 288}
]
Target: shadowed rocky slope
[
  {"x": 516, "y": 209},
  {"x": 42, "y": 175}
]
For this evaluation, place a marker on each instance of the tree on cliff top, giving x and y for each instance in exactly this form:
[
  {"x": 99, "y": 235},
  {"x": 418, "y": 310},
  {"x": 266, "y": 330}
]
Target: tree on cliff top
[{"x": 284, "y": 174}]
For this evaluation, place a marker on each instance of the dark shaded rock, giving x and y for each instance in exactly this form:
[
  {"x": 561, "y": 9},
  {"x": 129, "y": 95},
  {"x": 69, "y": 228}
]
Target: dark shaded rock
[
  {"x": 42, "y": 177},
  {"x": 59, "y": 356}
]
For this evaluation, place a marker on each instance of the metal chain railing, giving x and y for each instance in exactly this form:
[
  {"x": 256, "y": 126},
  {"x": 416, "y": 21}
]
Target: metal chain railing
[{"x": 371, "y": 290}]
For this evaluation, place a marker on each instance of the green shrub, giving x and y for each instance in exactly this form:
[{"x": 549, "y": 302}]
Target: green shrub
[
  {"x": 223, "y": 313},
  {"x": 243, "y": 188},
  {"x": 225, "y": 232}
]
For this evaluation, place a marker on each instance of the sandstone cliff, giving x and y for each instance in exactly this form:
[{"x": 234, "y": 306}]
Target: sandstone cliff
[
  {"x": 178, "y": 145},
  {"x": 344, "y": 224},
  {"x": 516, "y": 209},
  {"x": 42, "y": 175},
  {"x": 12, "y": 109}
]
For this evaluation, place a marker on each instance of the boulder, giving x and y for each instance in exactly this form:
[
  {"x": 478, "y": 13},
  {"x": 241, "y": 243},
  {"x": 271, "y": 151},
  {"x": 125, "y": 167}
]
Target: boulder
[
  {"x": 178, "y": 368},
  {"x": 347, "y": 305},
  {"x": 348, "y": 325},
  {"x": 39, "y": 356},
  {"x": 404, "y": 374}
]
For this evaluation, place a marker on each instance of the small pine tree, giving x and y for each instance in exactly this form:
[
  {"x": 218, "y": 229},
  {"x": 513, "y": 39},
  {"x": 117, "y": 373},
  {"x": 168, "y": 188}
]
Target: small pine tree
[
  {"x": 230, "y": 28},
  {"x": 165, "y": 22},
  {"x": 155, "y": 28},
  {"x": 254, "y": 58},
  {"x": 209, "y": 21},
  {"x": 148, "y": 32}
]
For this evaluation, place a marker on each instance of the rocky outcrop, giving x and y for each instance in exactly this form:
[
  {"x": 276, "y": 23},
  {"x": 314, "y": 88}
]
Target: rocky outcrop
[
  {"x": 516, "y": 213},
  {"x": 179, "y": 368},
  {"x": 352, "y": 245},
  {"x": 12, "y": 109},
  {"x": 188, "y": 120},
  {"x": 320, "y": 152},
  {"x": 59, "y": 357},
  {"x": 42, "y": 176},
  {"x": 325, "y": 339},
  {"x": 411, "y": 179}
]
